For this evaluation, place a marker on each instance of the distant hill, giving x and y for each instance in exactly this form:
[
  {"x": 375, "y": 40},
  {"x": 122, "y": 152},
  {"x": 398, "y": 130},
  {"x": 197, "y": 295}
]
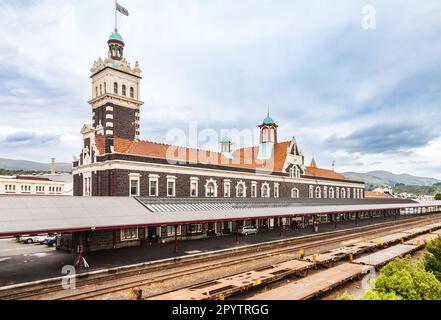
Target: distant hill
[
  {"x": 385, "y": 178},
  {"x": 10, "y": 164}
]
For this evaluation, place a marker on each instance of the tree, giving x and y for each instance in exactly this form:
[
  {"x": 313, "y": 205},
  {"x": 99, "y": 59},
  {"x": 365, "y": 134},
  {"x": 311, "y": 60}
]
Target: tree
[
  {"x": 432, "y": 258},
  {"x": 438, "y": 196},
  {"x": 407, "y": 280}
]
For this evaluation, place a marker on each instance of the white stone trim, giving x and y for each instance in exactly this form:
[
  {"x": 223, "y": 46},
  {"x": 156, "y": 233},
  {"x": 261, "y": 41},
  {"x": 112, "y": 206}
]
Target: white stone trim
[
  {"x": 174, "y": 169},
  {"x": 276, "y": 190},
  {"x": 153, "y": 178},
  {"x": 297, "y": 191},
  {"x": 134, "y": 177},
  {"x": 214, "y": 182},
  {"x": 173, "y": 180},
  {"x": 253, "y": 186},
  {"x": 227, "y": 188},
  {"x": 192, "y": 181},
  {"x": 244, "y": 185},
  {"x": 266, "y": 184}
]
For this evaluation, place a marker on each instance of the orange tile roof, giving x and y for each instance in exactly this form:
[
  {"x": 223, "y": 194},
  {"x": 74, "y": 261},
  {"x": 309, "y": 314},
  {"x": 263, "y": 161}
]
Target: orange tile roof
[
  {"x": 323, "y": 173},
  {"x": 370, "y": 194},
  {"x": 314, "y": 171},
  {"x": 243, "y": 158}
]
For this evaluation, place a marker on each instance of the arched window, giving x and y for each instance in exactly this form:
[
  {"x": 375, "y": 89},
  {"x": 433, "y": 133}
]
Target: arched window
[
  {"x": 211, "y": 189},
  {"x": 343, "y": 193},
  {"x": 101, "y": 89},
  {"x": 241, "y": 190},
  {"x": 115, "y": 88},
  {"x": 124, "y": 90},
  {"x": 318, "y": 192},
  {"x": 325, "y": 192},
  {"x": 337, "y": 193},
  {"x": 331, "y": 193},
  {"x": 265, "y": 190},
  {"x": 311, "y": 192},
  {"x": 298, "y": 172},
  {"x": 96, "y": 91},
  {"x": 295, "y": 194},
  {"x": 105, "y": 87},
  {"x": 132, "y": 92}
]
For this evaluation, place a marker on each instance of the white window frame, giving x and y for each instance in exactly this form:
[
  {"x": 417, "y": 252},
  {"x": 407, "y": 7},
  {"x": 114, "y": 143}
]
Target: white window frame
[
  {"x": 214, "y": 182},
  {"x": 343, "y": 193},
  {"x": 254, "y": 189},
  {"x": 87, "y": 185},
  {"x": 325, "y": 192},
  {"x": 227, "y": 188},
  {"x": 244, "y": 186},
  {"x": 296, "y": 190},
  {"x": 331, "y": 193},
  {"x": 317, "y": 194},
  {"x": 154, "y": 178},
  {"x": 199, "y": 228},
  {"x": 265, "y": 185},
  {"x": 172, "y": 232},
  {"x": 194, "y": 180},
  {"x": 277, "y": 190},
  {"x": 124, "y": 238},
  {"x": 134, "y": 177},
  {"x": 311, "y": 192},
  {"x": 171, "y": 179},
  {"x": 298, "y": 172}
]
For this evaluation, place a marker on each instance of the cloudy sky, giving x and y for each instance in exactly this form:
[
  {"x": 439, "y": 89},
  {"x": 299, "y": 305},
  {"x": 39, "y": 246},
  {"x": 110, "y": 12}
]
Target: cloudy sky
[{"x": 368, "y": 99}]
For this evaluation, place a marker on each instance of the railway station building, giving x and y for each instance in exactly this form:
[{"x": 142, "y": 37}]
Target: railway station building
[
  {"x": 129, "y": 192},
  {"x": 114, "y": 162}
]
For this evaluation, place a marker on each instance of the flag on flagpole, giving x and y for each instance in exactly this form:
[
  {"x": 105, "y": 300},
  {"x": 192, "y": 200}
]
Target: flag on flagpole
[{"x": 121, "y": 9}]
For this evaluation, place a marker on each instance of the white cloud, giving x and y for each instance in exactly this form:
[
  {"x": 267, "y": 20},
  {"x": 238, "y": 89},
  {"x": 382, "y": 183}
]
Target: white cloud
[{"x": 222, "y": 62}]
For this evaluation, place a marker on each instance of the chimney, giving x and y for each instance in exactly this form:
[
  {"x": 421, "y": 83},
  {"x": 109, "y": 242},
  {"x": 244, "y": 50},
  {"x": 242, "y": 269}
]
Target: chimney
[{"x": 53, "y": 169}]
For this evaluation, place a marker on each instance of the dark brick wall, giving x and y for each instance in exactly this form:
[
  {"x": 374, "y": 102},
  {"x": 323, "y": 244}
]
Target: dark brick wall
[
  {"x": 77, "y": 185},
  {"x": 116, "y": 183},
  {"x": 123, "y": 120}
]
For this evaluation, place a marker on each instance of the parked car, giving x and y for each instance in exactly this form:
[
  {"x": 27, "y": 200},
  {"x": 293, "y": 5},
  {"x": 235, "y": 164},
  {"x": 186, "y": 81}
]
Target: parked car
[
  {"x": 51, "y": 240},
  {"x": 248, "y": 230},
  {"x": 31, "y": 239}
]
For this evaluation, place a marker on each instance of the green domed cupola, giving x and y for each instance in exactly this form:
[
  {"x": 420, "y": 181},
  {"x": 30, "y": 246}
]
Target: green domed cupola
[
  {"x": 268, "y": 130},
  {"x": 116, "y": 46}
]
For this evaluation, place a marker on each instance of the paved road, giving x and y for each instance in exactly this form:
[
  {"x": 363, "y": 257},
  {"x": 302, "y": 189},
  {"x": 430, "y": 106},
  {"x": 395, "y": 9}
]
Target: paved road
[{"x": 21, "y": 263}]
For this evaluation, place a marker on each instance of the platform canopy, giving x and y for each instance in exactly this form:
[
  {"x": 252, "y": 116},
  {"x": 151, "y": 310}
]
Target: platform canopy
[{"x": 36, "y": 215}]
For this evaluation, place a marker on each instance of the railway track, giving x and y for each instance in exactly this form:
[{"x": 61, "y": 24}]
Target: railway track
[{"x": 206, "y": 263}]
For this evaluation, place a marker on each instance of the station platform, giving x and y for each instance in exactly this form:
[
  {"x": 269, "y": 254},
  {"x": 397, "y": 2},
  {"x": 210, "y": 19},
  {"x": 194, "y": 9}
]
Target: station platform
[{"x": 21, "y": 268}]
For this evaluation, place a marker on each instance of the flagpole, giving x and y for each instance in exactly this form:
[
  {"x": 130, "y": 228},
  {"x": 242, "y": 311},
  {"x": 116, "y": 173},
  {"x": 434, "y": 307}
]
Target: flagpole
[{"x": 116, "y": 18}]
